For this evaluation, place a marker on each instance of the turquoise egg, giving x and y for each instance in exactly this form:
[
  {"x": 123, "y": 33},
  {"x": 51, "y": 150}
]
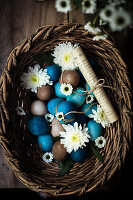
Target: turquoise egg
[
  {"x": 89, "y": 111},
  {"x": 65, "y": 107},
  {"x": 87, "y": 88},
  {"x": 38, "y": 125},
  {"x": 77, "y": 99},
  {"x": 80, "y": 155},
  {"x": 52, "y": 104},
  {"x": 95, "y": 129},
  {"x": 54, "y": 71},
  {"x": 57, "y": 90},
  {"x": 45, "y": 142},
  {"x": 80, "y": 119}
]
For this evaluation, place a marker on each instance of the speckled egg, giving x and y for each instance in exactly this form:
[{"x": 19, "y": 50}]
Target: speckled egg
[
  {"x": 54, "y": 72},
  {"x": 38, "y": 125},
  {"x": 45, "y": 92},
  {"x": 89, "y": 111},
  {"x": 65, "y": 107},
  {"x": 57, "y": 90},
  {"x": 45, "y": 142},
  {"x": 77, "y": 97},
  {"x": 59, "y": 151},
  {"x": 70, "y": 76},
  {"x": 95, "y": 129},
  {"x": 38, "y": 108},
  {"x": 52, "y": 104},
  {"x": 80, "y": 155},
  {"x": 56, "y": 127}
]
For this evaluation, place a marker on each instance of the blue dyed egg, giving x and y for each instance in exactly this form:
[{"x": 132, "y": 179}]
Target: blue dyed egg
[
  {"x": 87, "y": 88},
  {"x": 80, "y": 119},
  {"x": 65, "y": 107},
  {"x": 57, "y": 91},
  {"x": 45, "y": 142},
  {"x": 52, "y": 104},
  {"x": 38, "y": 125},
  {"x": 54, "y": 71},
  {"x": 95, "y": 129},
  {"x": 77, "y": 97},
  {"x": 89, "y": 111},
  {"x": 80, "y": 155}
]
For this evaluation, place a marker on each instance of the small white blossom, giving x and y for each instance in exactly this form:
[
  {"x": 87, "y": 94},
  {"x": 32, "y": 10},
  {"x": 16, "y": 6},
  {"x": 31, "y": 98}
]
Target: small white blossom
[
  {"x": 47, "y": 157},
  {"x": 20, "y": 111},
  {"x": 35, "y": 77},
  {"x": 100, "y": 142},
  {"x": 59, "y": 116},
  {"x": 74, "y": 137},
  {"x": 49, "y": 117},
  {"x": 63, "y": 6},
  {"x": 91, "y": 28},
  {"x": 63, "y": 57},
  {"x": 107, "y": 13},
  {"x": 99, "y": 116},
  {"x": 89, "y": 98},
  {"x": 100, "y": 37},
  {"x": 88, "y": 6},
  {"x": 66, "y": 89}
]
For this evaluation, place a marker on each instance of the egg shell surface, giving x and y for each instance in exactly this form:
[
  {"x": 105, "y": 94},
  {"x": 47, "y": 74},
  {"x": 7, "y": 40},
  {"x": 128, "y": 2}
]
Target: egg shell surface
[
  {"x": 52, "y": 104},
  {"x": 57, "y": 90},
  {"x": 44, "y": 92},
  {"x": 95, "y": 129},
  {"x": 38, "y": 125},
  {"x": 54, "y": 72},
  {"x": 45, "y": 142},
  {"x": 56, "y": 127},
  {"x": 38, "y": 108},
  {"x": 80, "y": 155},
  {"x": 59, "y": 151},
  {"x": 89, "y": 111}
]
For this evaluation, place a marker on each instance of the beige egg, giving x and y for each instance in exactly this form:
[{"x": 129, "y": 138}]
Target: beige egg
[
  {"x": 38, "y": 108},
  {"x": 56, "y": 127},
  {"x": 59, "y": 151},
  {"x": 70, "y": 76},
  {"x": 45, "y": 92}
]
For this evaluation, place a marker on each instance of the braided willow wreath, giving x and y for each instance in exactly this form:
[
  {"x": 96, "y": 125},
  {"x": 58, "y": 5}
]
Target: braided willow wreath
[{"x": 23, "y": 156}]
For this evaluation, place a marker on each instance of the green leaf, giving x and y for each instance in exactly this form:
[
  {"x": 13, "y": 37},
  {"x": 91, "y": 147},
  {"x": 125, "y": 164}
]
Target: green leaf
[
  {"x": 96, "y": 152},
  {"x": 77, "y": 4},
  {"x": 44, "y": 58},
  {"x": 65, "y": 167}
]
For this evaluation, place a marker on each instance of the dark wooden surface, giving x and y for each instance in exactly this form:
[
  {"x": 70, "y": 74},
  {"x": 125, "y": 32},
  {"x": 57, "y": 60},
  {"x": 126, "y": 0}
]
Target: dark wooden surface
[{"x": 20, "y": 18}]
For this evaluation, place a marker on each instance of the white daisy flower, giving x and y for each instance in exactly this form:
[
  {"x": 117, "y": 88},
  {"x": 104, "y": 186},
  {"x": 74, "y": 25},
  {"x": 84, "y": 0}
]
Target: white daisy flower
[
  {"x": 107, "y": 13},
  {"x": 89, "y": 98},
  {"x": 120, "y": 20},
  {"x": 99, "y": 116},
  {"x": 100, "y": 37},
  {"x": 88, "y": 6},
  {"x": 35, "y": 77},
  {"x": 91, "y": 28},
  {"x": 20, "y": 110},
  {"x": 100, "y": 142},
  {"x": 74, "y": 137},
  {"x": 59, "y": 116},
  {"x": 47, "y": 157},
  {"x": 63, "y": 57},
  {"x": 66, "y": 89},
  {"x": 49, "y": 117},
  {"x": 63, "y": 6}
]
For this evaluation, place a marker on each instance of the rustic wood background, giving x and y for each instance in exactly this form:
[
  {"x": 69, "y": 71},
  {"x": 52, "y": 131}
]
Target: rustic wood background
[{"x": 20, "y": 18}]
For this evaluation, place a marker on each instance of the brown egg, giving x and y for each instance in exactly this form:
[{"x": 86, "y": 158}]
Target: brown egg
[
  {"x": 59, "y": 151},
  {"x": 38, "y": 108},
  {"x": 45, "y": 92},
  {"x": 56, "y": 127},
  {"x": 70, "y": 76}
]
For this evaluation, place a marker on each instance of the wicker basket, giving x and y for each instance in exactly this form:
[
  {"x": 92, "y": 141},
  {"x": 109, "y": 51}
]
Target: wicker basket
[{"x": 25, "y": 157}]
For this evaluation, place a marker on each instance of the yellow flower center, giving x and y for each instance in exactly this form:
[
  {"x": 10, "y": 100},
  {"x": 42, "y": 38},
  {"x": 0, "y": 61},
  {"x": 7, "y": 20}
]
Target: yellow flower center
[
  {"x": 102, "y": 116},
  {"x": 67, "y": 57},
  {"x": 35, "y": 79},
  {"x": 75, "y": 138}
]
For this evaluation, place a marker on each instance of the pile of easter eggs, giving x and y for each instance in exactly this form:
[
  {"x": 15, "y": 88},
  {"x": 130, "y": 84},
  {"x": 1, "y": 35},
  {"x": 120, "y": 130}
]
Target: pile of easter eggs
[{"x": 50, "y": 101}]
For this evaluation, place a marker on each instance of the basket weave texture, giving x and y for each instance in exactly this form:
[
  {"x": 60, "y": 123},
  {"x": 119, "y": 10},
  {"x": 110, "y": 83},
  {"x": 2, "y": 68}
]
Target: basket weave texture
[{"x": 23, "y": 156}]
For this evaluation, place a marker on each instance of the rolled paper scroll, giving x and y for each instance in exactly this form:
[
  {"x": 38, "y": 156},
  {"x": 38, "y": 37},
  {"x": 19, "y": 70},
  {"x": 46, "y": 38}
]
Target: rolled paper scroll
[{"x": 91, "y": 79}]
